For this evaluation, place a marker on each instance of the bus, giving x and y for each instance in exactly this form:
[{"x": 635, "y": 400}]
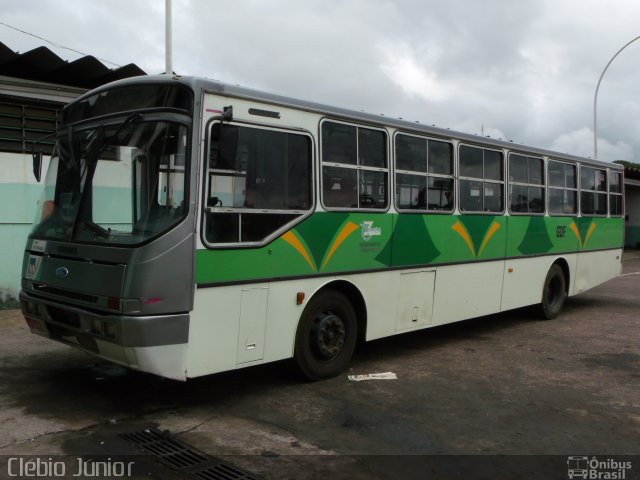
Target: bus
[{"x": 189, "y": 227}]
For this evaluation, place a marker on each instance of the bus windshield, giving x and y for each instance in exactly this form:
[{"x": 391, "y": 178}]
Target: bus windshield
[{"x": 122, "y": 182}]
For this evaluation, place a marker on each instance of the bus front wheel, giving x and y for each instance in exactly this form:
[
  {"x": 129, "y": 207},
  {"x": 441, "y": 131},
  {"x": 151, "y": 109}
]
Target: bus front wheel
[
  {"x": 326, "y": 336},
  {"x": 554, "y": 293}
]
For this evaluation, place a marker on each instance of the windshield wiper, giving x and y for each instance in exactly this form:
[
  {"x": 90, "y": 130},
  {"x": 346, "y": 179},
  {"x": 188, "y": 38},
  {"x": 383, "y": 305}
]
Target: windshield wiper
[
  {"x": 100, "y": 231},
  {"x": 94, "y": 149},
  {"x": 134, "y": 117}
]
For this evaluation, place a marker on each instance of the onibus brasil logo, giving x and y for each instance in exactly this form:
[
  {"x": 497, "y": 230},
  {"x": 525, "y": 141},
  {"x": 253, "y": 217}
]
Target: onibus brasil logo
[{"x": 592, "y": 468}]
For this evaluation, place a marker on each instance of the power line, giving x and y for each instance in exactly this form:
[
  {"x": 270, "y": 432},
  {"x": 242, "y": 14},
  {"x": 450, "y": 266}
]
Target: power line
[{"x": 57, "y": 45}]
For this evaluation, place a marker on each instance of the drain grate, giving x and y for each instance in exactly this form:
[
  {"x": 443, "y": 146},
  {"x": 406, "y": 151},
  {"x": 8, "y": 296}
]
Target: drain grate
[{"x": 183, "y": 458}]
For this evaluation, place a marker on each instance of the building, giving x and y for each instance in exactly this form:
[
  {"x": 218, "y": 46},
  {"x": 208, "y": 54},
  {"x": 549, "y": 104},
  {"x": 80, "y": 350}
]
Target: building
[
  {"x": 34, "y": 86},
  {"x": 632, "y": 205}
]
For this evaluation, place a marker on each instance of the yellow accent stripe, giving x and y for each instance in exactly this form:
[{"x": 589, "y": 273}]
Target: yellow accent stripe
[
  {"x": 292, "y": 240},
  {"x": 347, "y": 230},
  {"x": 574, "y": 229},
  {"x": 592, "y": 227},
  {"x": 460, "y": 230},
  {"x": 494, "y": 227}
]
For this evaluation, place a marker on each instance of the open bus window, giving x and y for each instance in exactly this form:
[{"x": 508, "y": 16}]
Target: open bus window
[
  {"x": 259, "y": 181},
  {"x": 481, "y": 180},
  {"x": 355, "y": 167}
]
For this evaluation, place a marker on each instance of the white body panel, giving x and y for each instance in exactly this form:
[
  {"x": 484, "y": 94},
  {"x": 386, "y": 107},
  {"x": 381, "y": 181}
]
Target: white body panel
[
  {"x": 467, "y": 291},
  {"x": 523, "y": 284},
  {"x": 594, "y": 268},
  {"x": 415, "y": 299},
  {"x": 165, "y": 360},
  {"x": 218, "y": 330},
  {"x": 215, "y": 340}
]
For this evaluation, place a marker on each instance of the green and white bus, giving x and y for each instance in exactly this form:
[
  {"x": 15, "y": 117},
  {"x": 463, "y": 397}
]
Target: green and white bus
[{"x": 189, "y": 227}]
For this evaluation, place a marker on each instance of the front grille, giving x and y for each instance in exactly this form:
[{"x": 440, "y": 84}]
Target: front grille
[
  {"x": 83, "y": 297},
  {"x": 67, "y": 250},
  {"x": 185, "y": 459},
  {"x": 64, "y": 317}
]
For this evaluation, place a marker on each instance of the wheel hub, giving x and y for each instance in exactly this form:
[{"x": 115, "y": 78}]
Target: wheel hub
[{"x": 328, "y": 335}]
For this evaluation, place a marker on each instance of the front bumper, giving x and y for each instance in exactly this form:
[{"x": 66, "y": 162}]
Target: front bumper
[{"x": 155, "y": 344}]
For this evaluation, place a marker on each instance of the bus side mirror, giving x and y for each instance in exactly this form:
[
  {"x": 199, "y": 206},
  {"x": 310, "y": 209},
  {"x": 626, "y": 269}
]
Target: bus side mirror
[{"x": 37, "y": 165}]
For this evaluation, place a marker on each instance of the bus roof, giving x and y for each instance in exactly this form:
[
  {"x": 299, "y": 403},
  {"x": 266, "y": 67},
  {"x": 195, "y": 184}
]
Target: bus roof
[{"x": 213, "y": 86}]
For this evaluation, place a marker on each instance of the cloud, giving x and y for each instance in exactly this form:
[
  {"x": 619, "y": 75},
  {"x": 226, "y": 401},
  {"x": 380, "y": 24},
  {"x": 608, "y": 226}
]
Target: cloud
[
  {"x": 404, "y": 69},
  {"x": 580, "y": 142},
  {"x": 527, "y": 70}
]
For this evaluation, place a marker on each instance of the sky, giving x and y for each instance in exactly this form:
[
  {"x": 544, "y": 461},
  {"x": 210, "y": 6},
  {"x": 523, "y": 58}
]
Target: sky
[{"x": 521, "y": 70}]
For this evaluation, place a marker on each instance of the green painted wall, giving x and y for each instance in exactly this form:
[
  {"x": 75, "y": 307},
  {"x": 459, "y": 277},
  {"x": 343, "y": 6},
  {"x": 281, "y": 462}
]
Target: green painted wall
[
  {"x": 17, "y": 209},
  {"x": 632, "y": 237},
  {"x": 632, "y": 210}
]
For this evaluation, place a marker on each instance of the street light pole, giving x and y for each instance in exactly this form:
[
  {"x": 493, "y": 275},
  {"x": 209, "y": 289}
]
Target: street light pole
[
  {"x": 167, "y": 38},
  {"x": 595, "y": 99}
]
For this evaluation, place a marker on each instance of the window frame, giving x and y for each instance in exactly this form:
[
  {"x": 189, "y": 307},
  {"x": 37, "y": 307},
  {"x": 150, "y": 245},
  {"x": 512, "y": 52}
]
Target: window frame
[
  {"x": 621, "y": 194},
  {"x": 426, "y": 175},
  {"x": 502, "y": 182},
  {"x": 551, "y": 187},
  {"x": 543, "y": 185},
  {"x": 303, "y": 214},
  {"x": 594, "y": 192},
  {"x": 357, "y": 167}
]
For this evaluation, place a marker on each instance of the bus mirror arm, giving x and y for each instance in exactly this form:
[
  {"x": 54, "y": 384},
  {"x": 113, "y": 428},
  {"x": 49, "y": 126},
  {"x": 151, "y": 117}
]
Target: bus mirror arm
[
  {"x": 37, "y": 157},
  {"x": 37, "y": 165},
  {"x": 227, "y": 114}
]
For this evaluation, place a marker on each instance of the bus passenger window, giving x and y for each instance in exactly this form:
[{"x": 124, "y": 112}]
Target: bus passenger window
[
  {"x": 354, "y": 166},
  {"x": 563, "y": 191},
  {"x": 593, "y": 191},
  {"x": 526, "y": 184},
  {"x": 424, "y": 174},
  {"x": 481, "y": 180},
  {"x": 259, "y": 181},
  {"x": 471, "y": 196},
  {"x": 440, "y": 194},
  {"x": 615, "y": 194},
  {"x": 340, "y": 187}
]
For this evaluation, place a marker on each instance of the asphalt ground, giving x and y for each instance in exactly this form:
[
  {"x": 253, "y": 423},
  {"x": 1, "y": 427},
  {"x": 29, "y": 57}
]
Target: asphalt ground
[{"x": 502, "y": 396}]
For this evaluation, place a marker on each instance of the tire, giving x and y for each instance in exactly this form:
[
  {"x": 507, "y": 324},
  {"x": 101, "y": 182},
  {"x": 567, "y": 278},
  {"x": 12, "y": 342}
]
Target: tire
[
  {"x": 554, "y": 293},
  {"x": 326, "y": 336}
]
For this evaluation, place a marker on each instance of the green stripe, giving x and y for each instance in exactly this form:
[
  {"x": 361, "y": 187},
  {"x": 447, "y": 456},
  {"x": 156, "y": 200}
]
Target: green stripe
[{"x": 416, "y": 240}]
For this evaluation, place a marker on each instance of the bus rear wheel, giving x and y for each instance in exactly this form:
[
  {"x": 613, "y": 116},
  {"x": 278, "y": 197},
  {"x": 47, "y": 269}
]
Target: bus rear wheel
[
  {"x": 326, "y": 336},
  {"x": 554, "y": 293}
]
